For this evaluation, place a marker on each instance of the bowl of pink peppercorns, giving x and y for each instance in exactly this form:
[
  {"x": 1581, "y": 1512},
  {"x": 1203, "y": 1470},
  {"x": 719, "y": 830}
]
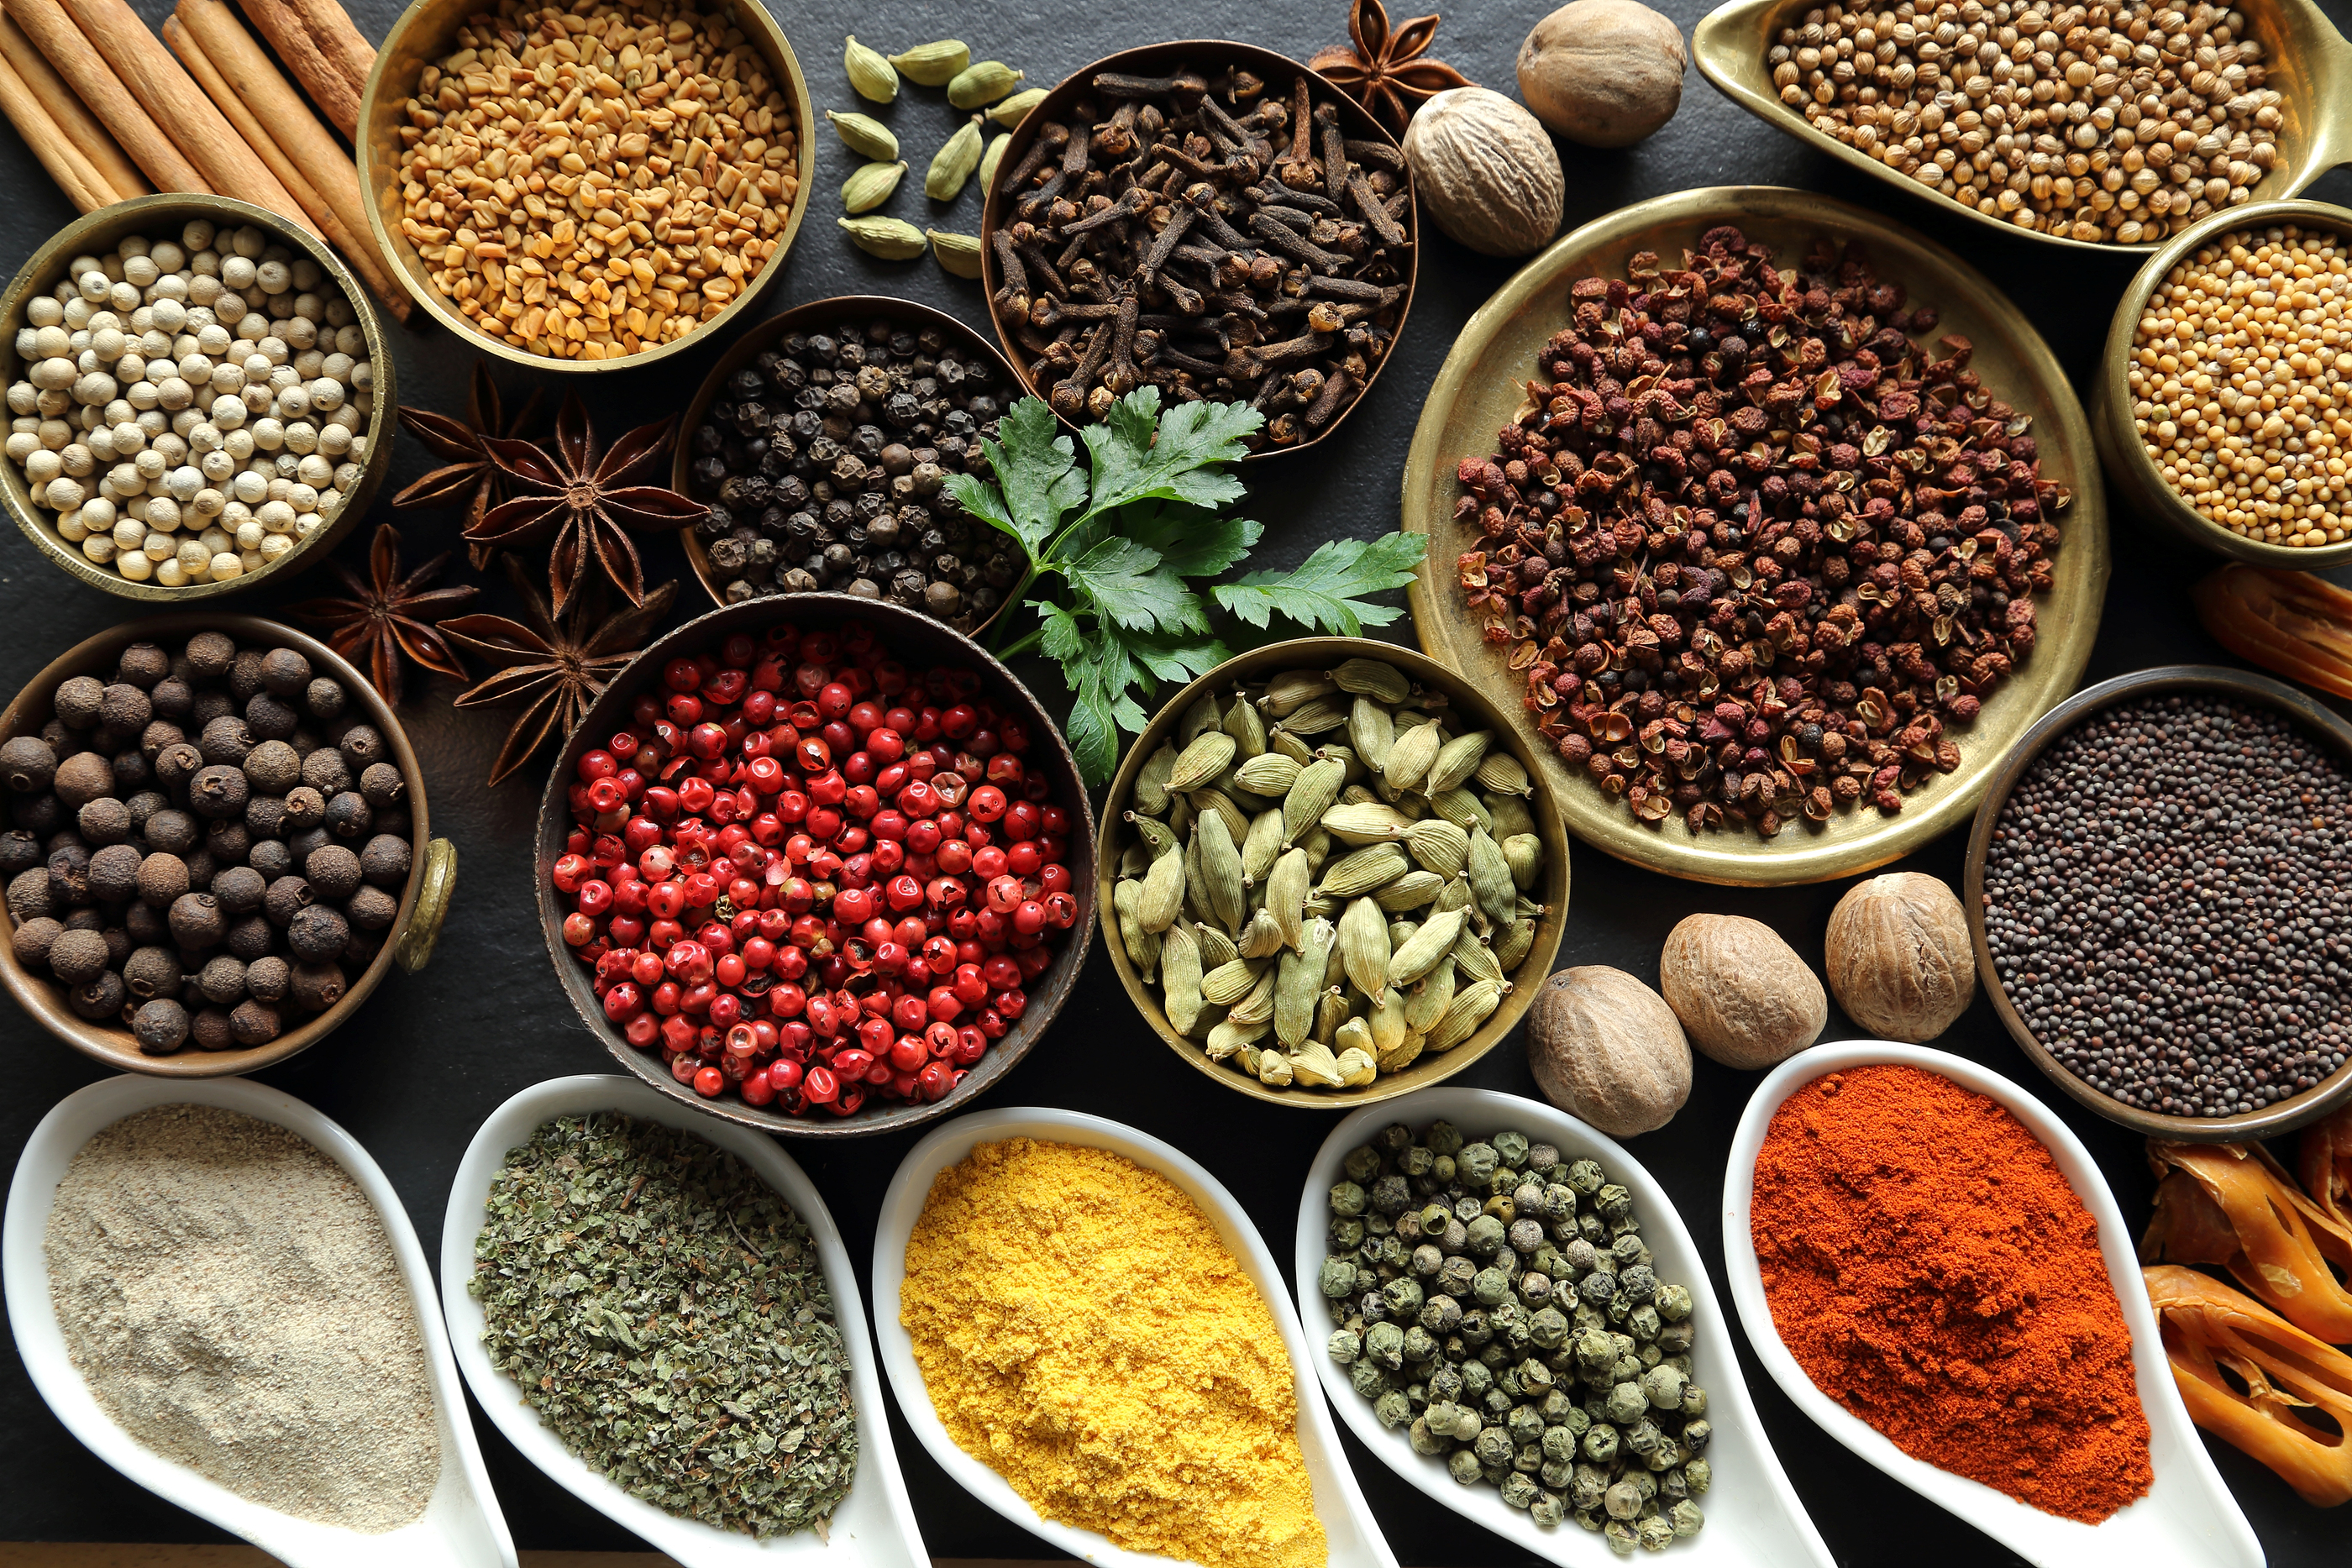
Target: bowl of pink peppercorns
[{"x": 819, "y": 865}]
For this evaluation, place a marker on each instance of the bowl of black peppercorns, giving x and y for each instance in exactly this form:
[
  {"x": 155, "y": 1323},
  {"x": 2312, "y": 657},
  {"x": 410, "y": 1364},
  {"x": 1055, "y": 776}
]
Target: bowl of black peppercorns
[
  {"x": 822, "y": 443},
  {"x": 215, "y": 845}
]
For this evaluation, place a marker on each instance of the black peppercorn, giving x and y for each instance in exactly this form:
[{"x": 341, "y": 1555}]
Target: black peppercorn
[
  {"x": 197, "y": 921},
  {"x": 218, "y": 791},
  {"x": 161, "y": 1026}
]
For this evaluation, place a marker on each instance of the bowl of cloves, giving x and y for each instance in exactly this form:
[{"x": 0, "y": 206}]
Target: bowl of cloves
[
  {"x": 1208, "y": 218},
  {"x": 822, "y": 443}
]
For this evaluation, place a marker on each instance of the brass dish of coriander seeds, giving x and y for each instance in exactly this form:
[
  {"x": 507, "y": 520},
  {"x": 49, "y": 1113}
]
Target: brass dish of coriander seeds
[
  {"x": 1482, "y": 387},
  {"x": 1533, "y": 889}
]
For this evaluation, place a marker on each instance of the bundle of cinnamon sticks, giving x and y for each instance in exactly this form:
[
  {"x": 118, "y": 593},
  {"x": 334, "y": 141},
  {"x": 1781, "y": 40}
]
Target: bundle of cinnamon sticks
[{"x": 111, "y": 114}]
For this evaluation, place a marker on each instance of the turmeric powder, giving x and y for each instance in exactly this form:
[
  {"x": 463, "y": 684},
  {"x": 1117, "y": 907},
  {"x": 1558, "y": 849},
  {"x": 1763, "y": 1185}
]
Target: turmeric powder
[{"x": 1082, "y": 1332}]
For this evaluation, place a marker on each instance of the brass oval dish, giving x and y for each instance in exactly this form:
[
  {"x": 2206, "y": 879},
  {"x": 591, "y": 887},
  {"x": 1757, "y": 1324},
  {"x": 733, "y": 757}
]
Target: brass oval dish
[
  {"x": 408, "y": 941},
  {"x": 2259, "y": 691},
  {"x": 1322, "y": 653},
  {"x": 1481, "y": 385},
  {"x": 2112, "y": 425},
  {"x": 422, "y": 36},
  {"x": 101, "y": 230},
  {"x": 2310, "y": 63}
]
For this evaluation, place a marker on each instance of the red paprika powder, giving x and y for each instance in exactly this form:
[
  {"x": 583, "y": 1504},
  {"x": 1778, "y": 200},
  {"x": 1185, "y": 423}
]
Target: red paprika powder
[{"x": 1932, "y": 1271}]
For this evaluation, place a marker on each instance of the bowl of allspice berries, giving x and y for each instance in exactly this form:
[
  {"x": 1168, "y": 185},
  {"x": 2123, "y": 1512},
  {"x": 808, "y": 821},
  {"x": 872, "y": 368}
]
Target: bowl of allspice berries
[{"x": 215, "y": 846}]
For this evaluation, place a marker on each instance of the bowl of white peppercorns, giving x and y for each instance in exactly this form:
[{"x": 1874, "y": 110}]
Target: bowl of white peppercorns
[{"x": 198, "y": 395}]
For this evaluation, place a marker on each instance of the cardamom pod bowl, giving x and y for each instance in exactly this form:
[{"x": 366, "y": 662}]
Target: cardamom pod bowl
[
  {"x": 1482, "y": 386},
  {"x": 935, "y": 329},
  {"x": 915, "y": 639},
  {"x": 426, "y": 33},
  {"x": 408, "y": 940},
  {"x": 97, "y": 232},
  {"x": 2316, "y": 719},
  {"x": 2309, "y": 62},
  {"x": 1472, "y": 709},
  {"x": 2118, "y": 429}
]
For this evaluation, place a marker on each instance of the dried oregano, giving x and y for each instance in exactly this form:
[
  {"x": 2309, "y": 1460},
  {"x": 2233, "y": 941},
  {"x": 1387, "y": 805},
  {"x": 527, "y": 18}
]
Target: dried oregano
[{"x": 666, "y": 1314}]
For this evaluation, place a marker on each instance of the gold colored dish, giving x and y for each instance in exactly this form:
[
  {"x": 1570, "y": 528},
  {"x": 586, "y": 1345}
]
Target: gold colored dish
[
  {"x": 2310, "y": 65},
  {"x": 1480, "y": 388}
]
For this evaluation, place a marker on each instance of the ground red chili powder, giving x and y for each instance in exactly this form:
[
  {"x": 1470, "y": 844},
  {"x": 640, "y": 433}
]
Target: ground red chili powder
[{"x": 1931, "y": 1270}]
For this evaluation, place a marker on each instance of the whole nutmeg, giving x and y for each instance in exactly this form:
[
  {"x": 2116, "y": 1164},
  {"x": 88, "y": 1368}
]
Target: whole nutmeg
[
  {"x": 1744, "y": 995},
  {"x": 1606, "y": 1047},
  {"x": 1604, "y": 72},
  {"x": 1898, "y": 957},
  {"x": 1487, "y": 172}
]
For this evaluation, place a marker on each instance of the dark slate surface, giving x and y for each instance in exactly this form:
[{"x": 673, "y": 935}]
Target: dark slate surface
[{"x": 432, "y": 1055}]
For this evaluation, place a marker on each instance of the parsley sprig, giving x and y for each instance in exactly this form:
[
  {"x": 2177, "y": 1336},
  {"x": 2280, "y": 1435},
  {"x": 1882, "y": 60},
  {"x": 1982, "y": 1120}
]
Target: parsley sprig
[{"x": 1125, "y": 533}]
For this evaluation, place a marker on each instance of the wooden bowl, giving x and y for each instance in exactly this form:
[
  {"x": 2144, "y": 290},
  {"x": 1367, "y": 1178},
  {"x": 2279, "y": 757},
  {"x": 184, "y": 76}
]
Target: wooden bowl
[
  {"x": 431, "y": 874},
  {"x": 2259, "y": 691},
  {"x": 1526, "y": 980},
  {"x": 2117, "y": 432},
  {"x": 919, "y": 641},
  {"x": 99, "y": 232}
]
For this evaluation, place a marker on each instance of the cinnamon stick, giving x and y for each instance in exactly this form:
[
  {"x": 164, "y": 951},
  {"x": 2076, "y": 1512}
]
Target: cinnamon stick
[
  {"x": 179, "y": 105},
  {"x": 119, "y": 174},
  {"x": 81, "y": 183},
  {"x": 325, "y": 83},
  {"x": 56, "y": 36},
  {"x": 340, "y": 44}
]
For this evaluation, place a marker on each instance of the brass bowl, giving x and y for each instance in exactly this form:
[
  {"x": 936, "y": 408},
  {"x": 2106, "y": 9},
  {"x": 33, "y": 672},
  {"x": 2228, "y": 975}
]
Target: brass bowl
[
  {"x": 99, "y": 232},
  {"x": 919, "y": 641},
  {"x": 1526, "y": 980},
  {"x": 1479, "y": 389},
  {"x": 2259, "y": 691},
  {"x": 2112, "y": 424},
  {"x": 856, "y": 308},
  {"x": 423, "y": 36},
  {"x": 431, "y": 872},
  {"x": 1158, "y": 59},
  {"x": 2309, "y": 62}
]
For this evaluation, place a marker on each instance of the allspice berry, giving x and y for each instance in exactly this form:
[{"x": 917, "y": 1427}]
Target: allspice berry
[
  {"x": 160, "y": 1026},
  {"x": 1898, "y": 957},
  {"x": 78, "y": 957},
  {"x": 33, "y": 938},
  {"x": 1743, "y": 995},
  {"x": 27, "y": 764},
  {"x": 253, "y": 1023},
  {"x": 1606, "y": 1047},
  {"x": 83, "y": 778}
]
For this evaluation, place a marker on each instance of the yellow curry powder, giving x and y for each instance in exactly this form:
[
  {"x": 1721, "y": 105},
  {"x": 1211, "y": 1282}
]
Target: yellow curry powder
[{"x": 1083, "y": 1332}]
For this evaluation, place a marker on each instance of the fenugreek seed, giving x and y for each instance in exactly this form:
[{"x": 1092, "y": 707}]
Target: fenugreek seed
[
  {"x": 952, "y": 164},
  {"x": 892, "y": 239},
  {"x": 957, "y": 254},
  {"x": 866, "y": 136},
  {"x": 933, "y": 65},
  {"x": 871, "y": 75},
  {"x": 980, "y": 84},
  {"x": 870, "y": 185},
  {"x": 1012, "y": 110}
]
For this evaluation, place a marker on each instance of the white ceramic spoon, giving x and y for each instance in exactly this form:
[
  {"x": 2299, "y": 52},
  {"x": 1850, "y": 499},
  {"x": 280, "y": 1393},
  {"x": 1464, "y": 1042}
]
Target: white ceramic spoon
[
  {"x": 461, "y": 1527},
  {"x": 1753, "y": 1517},
  {"x": 874, "y": 1526},
  {"x": 2187, "y": 1518},
  {"x": 1353, "y": 1536}
]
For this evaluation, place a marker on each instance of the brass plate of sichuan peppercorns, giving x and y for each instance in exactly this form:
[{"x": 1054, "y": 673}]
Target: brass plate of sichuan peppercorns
[{"x": 1483, "y": 387}]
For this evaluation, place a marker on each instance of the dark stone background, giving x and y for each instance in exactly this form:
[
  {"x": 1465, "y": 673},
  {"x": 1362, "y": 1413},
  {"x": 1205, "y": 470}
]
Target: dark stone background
[{"x": 432, "y": 1055}]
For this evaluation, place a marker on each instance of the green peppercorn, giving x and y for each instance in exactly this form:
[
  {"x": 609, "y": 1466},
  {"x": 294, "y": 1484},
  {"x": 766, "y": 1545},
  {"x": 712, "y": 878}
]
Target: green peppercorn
[
  {"x": 1345, "y": 1235},
  {"x": 1368, "y": 1379},
  {"x": 1362, "y": 1163},
  {"x": 1425, "y": 1441},
  {"x": 1673, "y": 1302},
  {"x": 1547, "y": 1510},
  {"x": 1442, "y": 1138},
  {"x": 1697, "y": 1435},
  {"x": 1345, "y": 1346},
  {"x": 1392, "y": 1408},
  {"x": 1601, "y": 1443},
  {"x": 1655, "y": 1534},
  {"x": 1463, "y": 1467},
  {"x": 1349, "y": 1199},
  {"x": 1477, "y": 1162},
  {"x": 1384, "y": 1346}
]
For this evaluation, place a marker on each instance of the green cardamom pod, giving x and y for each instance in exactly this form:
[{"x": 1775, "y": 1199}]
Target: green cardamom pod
[
  {"x": 1257, "y": 1007},
  {"x": 1011, "y": 112},
  {"x": 1248, "y": 730},
  {"x": 1402, "y": 1057},
  {"x": 1500, "y": 772},
  {"x": 1262, "y": 938},
  {"x": 1314, "y": 716},
  {"x": 1455, "y": 895},
  {"x": 1457, "y": 760},
  {"x": 1473, "y": 958},
  {"x": 1195, "y": 906},
  {"x": 1518, "y": 937},
  {"x": 1367, "y": 822},
  {"x": 866, "y": 136},
  {"x": 1154, "y": 834},
  {"x": 1143, "y": 947},
  {"x": 1365, "y": 870},
  {"x": 1221, "y": 872},
  {"x": 1364, "y": 947},
  {"x": 1401, "y": 930},
  {"x": 1470, "y": 1006},
  {"x": 1274, "y": 1070},
  {"x": 1228, "y": 983},
  {"x": 933, "y": 65},
  {"x": 959, "y": 253},
  {"x": 1202, "y": 761},
  {"x": 1199, "y": 719},
  {"x": 1387, "y": 1020},
  {"x": 892, "y": 239},
  {"x": 1410, "y": 756},
  {"x": 1298, "y": 983},
  {"x": 1230, "y": 1037},
  {"x": 1356, "y": 1069},
  {"x": 1270, "y": 774},
  {"x": 1411, "y": 890},
  {"x": 1286, "y": 894},
  {"x": 1317, "y": 843},
  {"x": 952, "y": 164},
  {"x": 1312, "y": 1066},
  {"x": 1331, "y": 1010},
  {"x": 1490, "y": 878},
  {"x": 1418, "y": 956},
  {"x": 1438, "y": 844},
  {"x": 1524, "y": 853},
  {"x": 870, "y": 185},
  {"x": 989, "y": 162},
  {"x": 1426, "y": 999},
  {"x": 1353, "y": 1035},
  {"x": 1180, "y": 978},
  {"x": 1462, "y": 808},
  {"x": 1237, "y": 822},
  {"x": 1284, "y": 744},
  {"x": 871, "y": 75},
  {"x": 1163, "y": 894},
  {"x": 1371, "y": 730},
  {"x": 1261, "y": 845},
  {"x": 980, "y": 84},
  {"x": 1371, "y": 678},
  {"x": 1151, "y": 780},
  {"x": 1134, "y": 860},
  {"x": 1309, "y": 797},
  {"x": 1507, "y": 815},
  {"x": 1216, "y": 948},
  {"x": 1289, "y": 691},
  {"x": 1346, "y": 757}
]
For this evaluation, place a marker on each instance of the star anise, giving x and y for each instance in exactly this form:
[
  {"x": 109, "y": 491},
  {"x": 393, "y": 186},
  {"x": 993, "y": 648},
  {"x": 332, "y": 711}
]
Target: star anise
[
  {"x": 467, "y": 478},
  {"x": 560, "y": 662},
  {"x": 389, "y": 615},
  {"x": 1383, "y": 70},
  {"x": 566, "y": 491}
]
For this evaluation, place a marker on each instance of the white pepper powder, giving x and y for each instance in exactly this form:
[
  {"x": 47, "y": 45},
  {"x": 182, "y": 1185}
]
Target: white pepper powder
[{"x": 232, "y": 1300}]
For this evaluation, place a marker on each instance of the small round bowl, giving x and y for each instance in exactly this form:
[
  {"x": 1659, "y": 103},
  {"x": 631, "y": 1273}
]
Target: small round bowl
[
  {"x": 423, "y": 36},
  {"x": 2115, "y": 431},
  {"x": 2256, "y": 690},
  {"x": 918, "y": 641},
  {"x": 1526, "y": 980},
  {"x": 431, "y": 872},
  {"x": 1158, "y": 59},
  {"x": 854, "y": 309},
  {"x": 98, "y": 233}
]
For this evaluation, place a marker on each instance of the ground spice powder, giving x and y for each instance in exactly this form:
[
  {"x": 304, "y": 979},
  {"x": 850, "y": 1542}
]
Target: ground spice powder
[
  {"x": 1932, "y": 1271},
  {"x": 1082, "y": 1332}
]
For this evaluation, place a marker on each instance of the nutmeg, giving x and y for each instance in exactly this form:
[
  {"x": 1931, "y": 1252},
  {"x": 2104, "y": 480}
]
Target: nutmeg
[
  {"x": 1743, "y": 995},
  {"x": 1898, "y": 957},
  {"x": 1607, "y": 1049},
  {"x": 1486, "y": 171}
]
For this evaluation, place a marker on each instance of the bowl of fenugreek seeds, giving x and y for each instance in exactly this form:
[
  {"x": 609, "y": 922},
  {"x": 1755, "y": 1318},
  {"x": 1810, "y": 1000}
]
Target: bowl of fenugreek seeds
[{"x": 577, "y": 188}]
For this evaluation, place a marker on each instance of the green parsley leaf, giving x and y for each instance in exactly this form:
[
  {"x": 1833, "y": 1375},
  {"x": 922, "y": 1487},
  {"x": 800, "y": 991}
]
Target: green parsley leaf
[
  {"x": 1326, "y": 589},
  {"x": 1126, "y": 583},
  {"x": 1037, "y": 481},
  {"x": 1194, "y": 543},
  {"x": 1135, "y": 461}
]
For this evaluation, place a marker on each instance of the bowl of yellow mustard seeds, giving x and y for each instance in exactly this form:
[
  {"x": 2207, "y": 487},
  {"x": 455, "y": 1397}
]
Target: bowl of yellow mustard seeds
[
  {"x": 575, "y": 188},
  {"x": 2224, "y": 404}
]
